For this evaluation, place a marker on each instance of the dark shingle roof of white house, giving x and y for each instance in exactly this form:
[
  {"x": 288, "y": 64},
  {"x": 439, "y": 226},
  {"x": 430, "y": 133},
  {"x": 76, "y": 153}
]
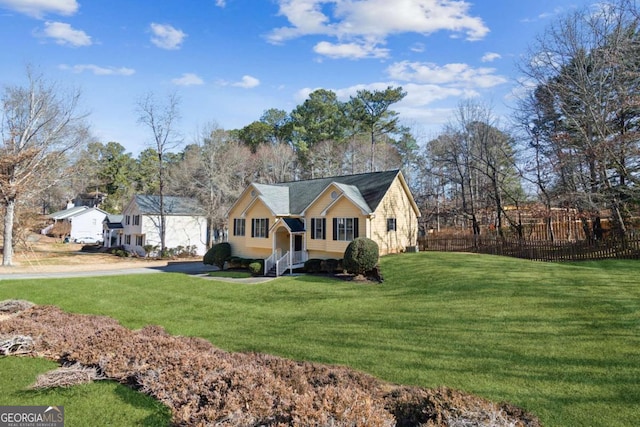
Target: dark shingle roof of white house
[
  {"x": 173, "y": 205},
  {"x": 114, "y": 221}
]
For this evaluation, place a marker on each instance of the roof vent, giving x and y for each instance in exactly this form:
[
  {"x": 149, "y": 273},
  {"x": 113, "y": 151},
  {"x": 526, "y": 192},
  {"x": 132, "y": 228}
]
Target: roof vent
[
  {"x": 334, "y": 195},
  {"x": 253, "y": 193}
]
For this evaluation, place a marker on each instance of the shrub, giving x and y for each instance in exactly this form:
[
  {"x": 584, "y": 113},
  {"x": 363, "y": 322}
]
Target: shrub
[
  {"x": 361, "y": 255},
  {"x": 148, "y": 249},
  {"x": 313, "y": 265},
  {"x": 120, "y": 252},
  {"x": 255, "y": 268},
  {"x": 329, "y": 266},
  {"x": 218, "y": 255}
]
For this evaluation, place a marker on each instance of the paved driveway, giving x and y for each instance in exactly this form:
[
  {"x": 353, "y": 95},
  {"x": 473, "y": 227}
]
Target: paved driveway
[{"x": 189, "y": 267}]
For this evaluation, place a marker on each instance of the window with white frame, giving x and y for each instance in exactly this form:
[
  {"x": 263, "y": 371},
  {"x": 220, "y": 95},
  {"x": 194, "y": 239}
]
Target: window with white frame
[
  {"x": 128, "y": 220},
  {"x": 260, "y": 227},
  {"x": 136, "y": 220},
  {"x": 345, "y": 229},
  {"x": 127, "y": 239},
  {"x": 319, "y": 228},
  {"x": 391, "y": 224},
  {"x": 238, "y": 227},
  {"x": 140, "y": 240}
]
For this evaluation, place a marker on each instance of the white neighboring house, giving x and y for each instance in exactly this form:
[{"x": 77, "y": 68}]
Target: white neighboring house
[
  {"x": 185, "y": 224},
  {"x": 84, "y": 221}
]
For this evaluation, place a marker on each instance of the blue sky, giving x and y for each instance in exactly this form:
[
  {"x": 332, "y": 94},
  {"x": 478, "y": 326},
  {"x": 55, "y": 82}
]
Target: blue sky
[{"x": 230, "y": 60}]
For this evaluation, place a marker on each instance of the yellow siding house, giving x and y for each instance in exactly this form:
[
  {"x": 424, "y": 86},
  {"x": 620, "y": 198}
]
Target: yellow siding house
[{"x": 289, "y": 223}]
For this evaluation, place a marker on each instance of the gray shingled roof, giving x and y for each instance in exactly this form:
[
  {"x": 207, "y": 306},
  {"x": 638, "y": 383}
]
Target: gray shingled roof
[
  {"x": 173, "y": 205},
  {"x": 68, "y": 213},
  {"x": 371, "y": 188},
  {"x": 276, "y": 198}
]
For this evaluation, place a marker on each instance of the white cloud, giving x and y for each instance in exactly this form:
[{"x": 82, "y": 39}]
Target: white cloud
[
  {"x": 221, "y": 3},
  {"x": 417, "y": 47},
  {"x": 97, "y": 70},
  {"x": 456, "y": 74},
  {"x": 351, "y": 22},
  {"x": 490, "y": 57},
  {"x": 64, "y": 34},
  {"x": 166, "y": 36},
  {"x": 247, "y": 82},
  {"x": 349, "y": 50},
  {"x": 39, "y": 8},
  {"x": 188, "y": 79}
]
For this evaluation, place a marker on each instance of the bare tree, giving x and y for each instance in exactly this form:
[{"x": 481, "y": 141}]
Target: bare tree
[
  {"x": 40, "y": 125},
  {"x": 276, "y": 162},
  {"x": 585, "y": 71},
  {"x": 214, "y": 170},
  {"x": 161, "y": 119}
]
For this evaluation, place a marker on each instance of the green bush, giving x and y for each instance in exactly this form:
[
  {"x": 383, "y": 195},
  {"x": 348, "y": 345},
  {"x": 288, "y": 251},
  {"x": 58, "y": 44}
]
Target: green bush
[
  {"x": 313, "y": 265},
  {"x": 361, "y": 256},
  {"x": 255, "y": 268},
  {"x": 218, "y": 255},
  {"x": 329, "y": 266},
  {"x": 234, "y": 262}
]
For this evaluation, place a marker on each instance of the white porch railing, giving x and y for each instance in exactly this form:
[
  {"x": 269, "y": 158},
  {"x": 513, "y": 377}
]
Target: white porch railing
[
  {"x": 271, "y": 261},
  {"x": 299, "y": 257},
  {"x": 282, "y": 263}
]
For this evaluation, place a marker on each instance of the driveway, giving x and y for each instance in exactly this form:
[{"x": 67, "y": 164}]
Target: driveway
[
  {"x": 185, "y": 267},
  {"x": 193, "y": 268}
]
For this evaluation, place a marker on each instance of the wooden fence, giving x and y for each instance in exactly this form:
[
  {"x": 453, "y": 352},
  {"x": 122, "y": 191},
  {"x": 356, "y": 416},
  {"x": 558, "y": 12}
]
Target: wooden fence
[{"x": 536, "y": 250}]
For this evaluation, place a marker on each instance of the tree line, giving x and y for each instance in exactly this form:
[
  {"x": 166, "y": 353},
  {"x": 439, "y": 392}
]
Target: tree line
[{"x": 571, "y": 141}]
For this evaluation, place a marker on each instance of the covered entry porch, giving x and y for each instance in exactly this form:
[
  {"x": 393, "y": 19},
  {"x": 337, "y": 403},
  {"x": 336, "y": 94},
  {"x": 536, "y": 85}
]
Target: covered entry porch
[{"x": 289, "y": 247}]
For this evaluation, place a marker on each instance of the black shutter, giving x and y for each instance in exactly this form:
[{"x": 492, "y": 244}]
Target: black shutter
[
  {"x": 235, "y": 229},
  {"x": 313, "y": 228},
  {"x": 324, "y": 228},
  {"x": 253, "y": 228},
  {"x": 335, "y": 228},
  {"x": 266, "y": 231},
  {"x": 356, "y": 230}
]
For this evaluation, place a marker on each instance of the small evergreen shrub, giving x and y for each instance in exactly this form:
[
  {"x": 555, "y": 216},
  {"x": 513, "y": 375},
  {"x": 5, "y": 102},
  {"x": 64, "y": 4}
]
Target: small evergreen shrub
[
  {"x": 361, "y": 256},
  {"x": 255, "y": 268},
  {"x": 120, "y": 252},
  {"x": 313, "y": 265},
  {"x": 218, "y": 255}
]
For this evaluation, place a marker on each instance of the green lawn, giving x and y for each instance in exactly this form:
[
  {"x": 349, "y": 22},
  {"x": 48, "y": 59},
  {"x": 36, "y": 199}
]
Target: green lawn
[{"x": 561, "y": 340}]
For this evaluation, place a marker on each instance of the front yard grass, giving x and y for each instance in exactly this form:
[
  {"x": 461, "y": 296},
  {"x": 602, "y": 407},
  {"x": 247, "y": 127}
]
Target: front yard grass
[
  {"x": 561, "y": 340},
  {"x": 231, "y": 274}
]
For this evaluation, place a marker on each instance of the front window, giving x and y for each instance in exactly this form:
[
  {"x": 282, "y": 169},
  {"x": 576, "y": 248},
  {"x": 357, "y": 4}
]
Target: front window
[
  {"x": 238, "y": 226},
  {"x": 136, "y": 220},
  {"x": 140, "y": 240},
  {"x": 318, "y": 227},
  {"x": 260, "y": 227},
  {"x": 127, "y": 239},
  {"x": 345, "y": 229},
  {"x": 391, "y": 224}
]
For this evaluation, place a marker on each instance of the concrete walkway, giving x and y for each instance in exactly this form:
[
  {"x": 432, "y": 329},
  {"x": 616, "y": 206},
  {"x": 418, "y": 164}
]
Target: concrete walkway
[{"x": 196, "y": 269}]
